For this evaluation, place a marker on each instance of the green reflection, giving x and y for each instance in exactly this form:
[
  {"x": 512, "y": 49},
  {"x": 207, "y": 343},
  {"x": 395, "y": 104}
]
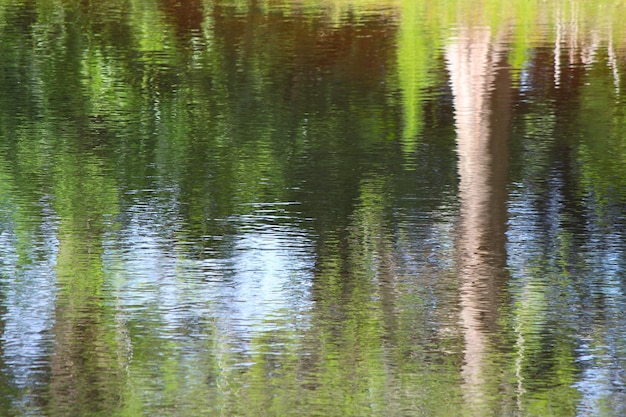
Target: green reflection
[
  {"x": 139, "y": 139},
  {"x": 85, "y": 363},
  {"x": 419, "y": 46}
]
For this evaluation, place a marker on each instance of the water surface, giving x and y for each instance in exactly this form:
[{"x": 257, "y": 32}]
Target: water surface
[{"x": 312, "y": 208}]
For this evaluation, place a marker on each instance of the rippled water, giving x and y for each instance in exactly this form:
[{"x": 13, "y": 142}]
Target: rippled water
[{"x": 312, "y": 208}]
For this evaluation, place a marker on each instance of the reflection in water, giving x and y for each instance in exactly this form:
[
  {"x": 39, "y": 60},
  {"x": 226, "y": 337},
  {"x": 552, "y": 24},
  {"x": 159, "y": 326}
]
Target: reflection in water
[
  {"x": 85, "y": 353},
  {"x": 257, "y": 274},
  {"x": 28, "y": 293},
  {"x": 295, "y": 209},
  {"x": 481, "y": 89}
]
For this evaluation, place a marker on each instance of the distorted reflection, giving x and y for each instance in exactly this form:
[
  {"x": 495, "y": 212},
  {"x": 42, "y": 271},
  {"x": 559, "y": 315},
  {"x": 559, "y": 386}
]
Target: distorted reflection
[
  {"x": 481, "y": 90},
  {"x": 338, "y": 208}
]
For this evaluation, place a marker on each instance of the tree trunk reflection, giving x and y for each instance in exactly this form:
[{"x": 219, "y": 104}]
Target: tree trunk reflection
[{"x": 481, "y": 90}]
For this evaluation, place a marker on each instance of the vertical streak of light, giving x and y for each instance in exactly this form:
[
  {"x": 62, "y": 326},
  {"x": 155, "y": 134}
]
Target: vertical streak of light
[
  {"x": 557, "y": 48},
  {"x": 520, "y": 347},
  {"x": 573, "y": 34},
  {"x": 613, "y": 62}
]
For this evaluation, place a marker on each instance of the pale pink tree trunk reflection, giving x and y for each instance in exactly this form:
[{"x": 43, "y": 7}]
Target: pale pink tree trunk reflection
[{"x": 481, "y": 89}]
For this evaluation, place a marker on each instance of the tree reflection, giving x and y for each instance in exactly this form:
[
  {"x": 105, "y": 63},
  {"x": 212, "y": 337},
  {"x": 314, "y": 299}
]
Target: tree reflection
[
  {"x": 85, "y": 359},
  {"x": 255, "y": 202},
  {"x": 481, "y": 87}
]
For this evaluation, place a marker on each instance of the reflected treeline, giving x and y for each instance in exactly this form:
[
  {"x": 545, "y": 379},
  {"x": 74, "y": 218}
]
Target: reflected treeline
[{"x": 311, "y": 209}]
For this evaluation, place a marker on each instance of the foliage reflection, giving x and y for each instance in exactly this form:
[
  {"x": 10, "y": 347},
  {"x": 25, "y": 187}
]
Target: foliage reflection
[{"x": 312, "y": 208}]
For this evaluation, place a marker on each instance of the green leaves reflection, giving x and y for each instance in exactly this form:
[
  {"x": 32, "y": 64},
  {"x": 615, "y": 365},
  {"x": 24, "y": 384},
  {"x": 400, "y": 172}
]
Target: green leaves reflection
[{"x": 203, "y": 113}]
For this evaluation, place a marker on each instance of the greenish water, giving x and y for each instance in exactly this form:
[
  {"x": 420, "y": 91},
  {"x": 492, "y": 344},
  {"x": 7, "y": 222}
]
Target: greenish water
[{"x": 312, "y": 209}]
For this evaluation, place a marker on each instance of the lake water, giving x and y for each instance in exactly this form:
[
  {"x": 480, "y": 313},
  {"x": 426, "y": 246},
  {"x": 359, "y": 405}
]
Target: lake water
[{"x": 312, "y": 208}]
